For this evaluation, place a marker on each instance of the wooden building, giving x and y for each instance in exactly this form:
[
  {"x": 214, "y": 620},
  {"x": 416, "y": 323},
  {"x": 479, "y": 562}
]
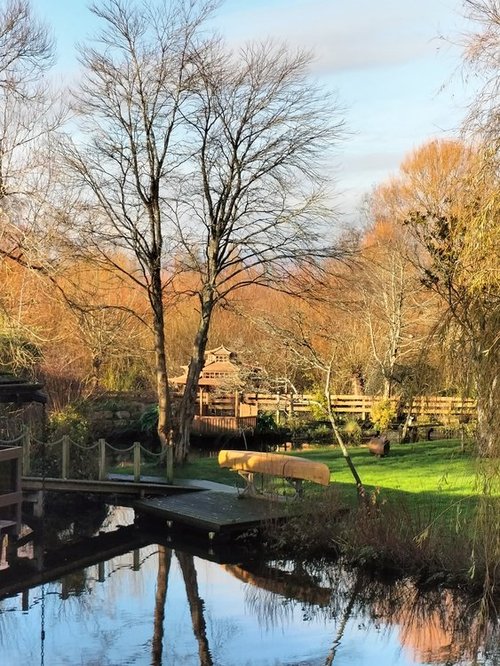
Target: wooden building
[{"x": 220, "y": 403}]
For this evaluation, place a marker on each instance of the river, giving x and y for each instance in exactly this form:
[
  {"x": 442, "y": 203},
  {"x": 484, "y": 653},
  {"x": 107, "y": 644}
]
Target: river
[{"x": 171, "y": 605}]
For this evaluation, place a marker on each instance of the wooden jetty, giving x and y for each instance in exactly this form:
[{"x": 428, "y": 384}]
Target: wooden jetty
[
  {"x": 213, "y": 511},
  {"x": 113, "y": 486}
]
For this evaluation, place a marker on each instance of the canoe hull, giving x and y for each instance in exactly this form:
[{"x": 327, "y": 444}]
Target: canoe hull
[{"x": 275, "y": 464}]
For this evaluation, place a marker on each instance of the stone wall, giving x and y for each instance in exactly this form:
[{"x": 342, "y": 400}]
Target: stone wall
[{"x": 112, "y": 417}]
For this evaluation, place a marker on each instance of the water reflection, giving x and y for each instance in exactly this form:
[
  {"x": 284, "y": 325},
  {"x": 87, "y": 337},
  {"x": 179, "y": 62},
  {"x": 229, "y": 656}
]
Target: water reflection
[{"x": 161, "y": 605}]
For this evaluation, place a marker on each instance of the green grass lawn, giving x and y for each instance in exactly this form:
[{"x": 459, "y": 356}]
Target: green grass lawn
[
  {"x": 434, "y": 478},
  {"x": 427, "y": 476},
  {"x": 424, "y": 518}
]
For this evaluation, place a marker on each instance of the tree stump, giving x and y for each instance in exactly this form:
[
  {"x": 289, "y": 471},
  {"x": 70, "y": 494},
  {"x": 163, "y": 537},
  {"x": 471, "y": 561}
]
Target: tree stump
[{"x": 379, "y": 446}]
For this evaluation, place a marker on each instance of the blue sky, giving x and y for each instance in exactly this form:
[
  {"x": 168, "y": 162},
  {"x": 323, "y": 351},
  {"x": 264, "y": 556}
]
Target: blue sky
[{"x": 398, "y": 82}]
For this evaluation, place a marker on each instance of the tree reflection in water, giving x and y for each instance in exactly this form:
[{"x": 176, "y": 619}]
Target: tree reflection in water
[
  {"x": 436, "y": 626},
  {"x": 196, "y": 606},
  {"x": 164, "y": 561}
]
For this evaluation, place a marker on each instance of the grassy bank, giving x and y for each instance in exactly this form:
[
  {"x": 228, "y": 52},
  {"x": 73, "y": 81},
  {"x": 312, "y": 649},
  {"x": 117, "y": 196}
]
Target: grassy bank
[
  {"x": 424, "y": 511},
  {"x": 421, "y": 513},
  {"x": 437, "y": 474}
]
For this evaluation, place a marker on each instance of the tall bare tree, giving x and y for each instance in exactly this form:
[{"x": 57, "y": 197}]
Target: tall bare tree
[
  {"x": 30, "y": 113},
  {"x": 481, "y": 47},
  {"x": 137, "y": 78},
  {"x": 251, "y": 204},
  {"x": 28, "y": 116}
]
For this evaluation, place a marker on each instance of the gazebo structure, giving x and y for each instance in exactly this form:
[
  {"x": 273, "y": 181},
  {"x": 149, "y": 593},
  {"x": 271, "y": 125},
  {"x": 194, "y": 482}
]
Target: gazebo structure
[{"x": 219, "y": 388}]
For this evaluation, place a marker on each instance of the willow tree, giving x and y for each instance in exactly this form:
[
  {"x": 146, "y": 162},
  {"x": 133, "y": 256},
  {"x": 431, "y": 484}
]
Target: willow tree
[
  {"x": 448, "y": 198},
  {"x": 137, "y": 78},
  {"x": 251, "y": 202}
]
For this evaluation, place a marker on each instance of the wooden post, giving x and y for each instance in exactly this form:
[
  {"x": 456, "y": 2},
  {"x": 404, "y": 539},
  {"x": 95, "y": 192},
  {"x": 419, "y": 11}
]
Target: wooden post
[
  {"x": 137, "y": 462},
  {"x": 201, "y": 401},
  {"x": 26, "y": 452},
  {"x": 136, "y": 566},
  {"x": 65, "y": 457},
  {"x": 19, "y": 504},
  {"x": 237, "y": 407},
  {"x": 101, "y": 572},
  {"x": 38, "y": 504},
  {"x": 102, "y": 459}
]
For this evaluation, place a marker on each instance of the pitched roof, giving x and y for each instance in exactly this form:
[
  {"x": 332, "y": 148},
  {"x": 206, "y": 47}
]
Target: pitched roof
[{"x": 219, "y": 350}]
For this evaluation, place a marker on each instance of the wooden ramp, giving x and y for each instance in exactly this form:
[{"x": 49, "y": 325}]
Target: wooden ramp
[{"x": 213, "y": 511}]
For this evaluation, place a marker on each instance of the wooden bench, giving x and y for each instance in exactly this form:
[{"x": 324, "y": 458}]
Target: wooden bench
[{"x": 293, "y": 469}]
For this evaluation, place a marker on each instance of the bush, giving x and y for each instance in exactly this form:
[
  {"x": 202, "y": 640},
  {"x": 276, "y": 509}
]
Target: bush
[
  {"x": 83, "y": 461},
  {"x": 148, "y": 420},
  {"x": 352, "y": 431},
  {"x": 266, "y": 422},
  {"x": 382, "y": 413}
]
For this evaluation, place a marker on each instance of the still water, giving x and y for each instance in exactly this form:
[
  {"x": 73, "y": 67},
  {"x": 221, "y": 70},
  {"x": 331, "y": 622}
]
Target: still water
[{"x": 160, "y": 604}]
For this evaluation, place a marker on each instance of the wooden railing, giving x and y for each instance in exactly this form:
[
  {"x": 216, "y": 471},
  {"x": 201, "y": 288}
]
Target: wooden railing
[
  {"x": 211, "y": 425},
  {"x": 61, "y": 452}
]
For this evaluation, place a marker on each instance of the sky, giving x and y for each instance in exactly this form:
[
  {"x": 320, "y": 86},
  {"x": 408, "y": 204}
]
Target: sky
[{"x": 394, "y": 66}]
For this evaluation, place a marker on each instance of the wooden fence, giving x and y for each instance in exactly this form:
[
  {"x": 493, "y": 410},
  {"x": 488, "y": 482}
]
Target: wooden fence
[{"x": 357, "y": 405}]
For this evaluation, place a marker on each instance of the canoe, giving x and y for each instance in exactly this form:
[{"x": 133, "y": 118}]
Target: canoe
[{"x": 275, "y": 464}]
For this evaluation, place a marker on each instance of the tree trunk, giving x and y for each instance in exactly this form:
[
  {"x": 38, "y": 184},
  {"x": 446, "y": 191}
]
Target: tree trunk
[
  {"x": 188, "y": 402},
  {"x": 336, "y": 431},
  {"x": 165, "y": 417}
]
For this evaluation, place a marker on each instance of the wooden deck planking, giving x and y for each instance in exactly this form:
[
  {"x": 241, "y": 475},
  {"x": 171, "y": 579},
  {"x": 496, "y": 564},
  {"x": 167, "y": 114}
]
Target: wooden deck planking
[{"x": 213, "y": 511}]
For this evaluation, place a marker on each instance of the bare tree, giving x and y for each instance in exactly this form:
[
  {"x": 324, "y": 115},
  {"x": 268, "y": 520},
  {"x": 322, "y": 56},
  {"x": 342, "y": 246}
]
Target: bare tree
[
  {"x": 392, "y": 301},
  {"x": 30, "y": 113},
  {"x": 26, "y": 48},
  {"x": 251, "y": 203},
  {"x": 481, "y": 48},
  {"x": 136, "y": 80},
  {"x": 311, "y": 336}
]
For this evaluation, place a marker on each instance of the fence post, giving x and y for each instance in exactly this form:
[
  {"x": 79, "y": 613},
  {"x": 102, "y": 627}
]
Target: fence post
[
  {"x": 65, "y": 457},
  {"x": 102, "y": 459},
  {"x": 26, "y": 452},
  {"x": 137, "y": 462}
]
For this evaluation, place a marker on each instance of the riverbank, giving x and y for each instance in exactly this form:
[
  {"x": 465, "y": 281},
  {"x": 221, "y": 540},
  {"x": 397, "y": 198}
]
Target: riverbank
[
  {"x": 425, "y": 512},
  {"x": 429, "y": 510}
]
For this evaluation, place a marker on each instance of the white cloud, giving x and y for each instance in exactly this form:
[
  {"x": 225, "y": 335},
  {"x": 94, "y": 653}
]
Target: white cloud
[{"x": 343, "y": 35}]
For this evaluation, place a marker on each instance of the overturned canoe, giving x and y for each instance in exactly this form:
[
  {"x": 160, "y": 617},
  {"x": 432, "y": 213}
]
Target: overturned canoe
[{"x": 275, "y": 464}]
